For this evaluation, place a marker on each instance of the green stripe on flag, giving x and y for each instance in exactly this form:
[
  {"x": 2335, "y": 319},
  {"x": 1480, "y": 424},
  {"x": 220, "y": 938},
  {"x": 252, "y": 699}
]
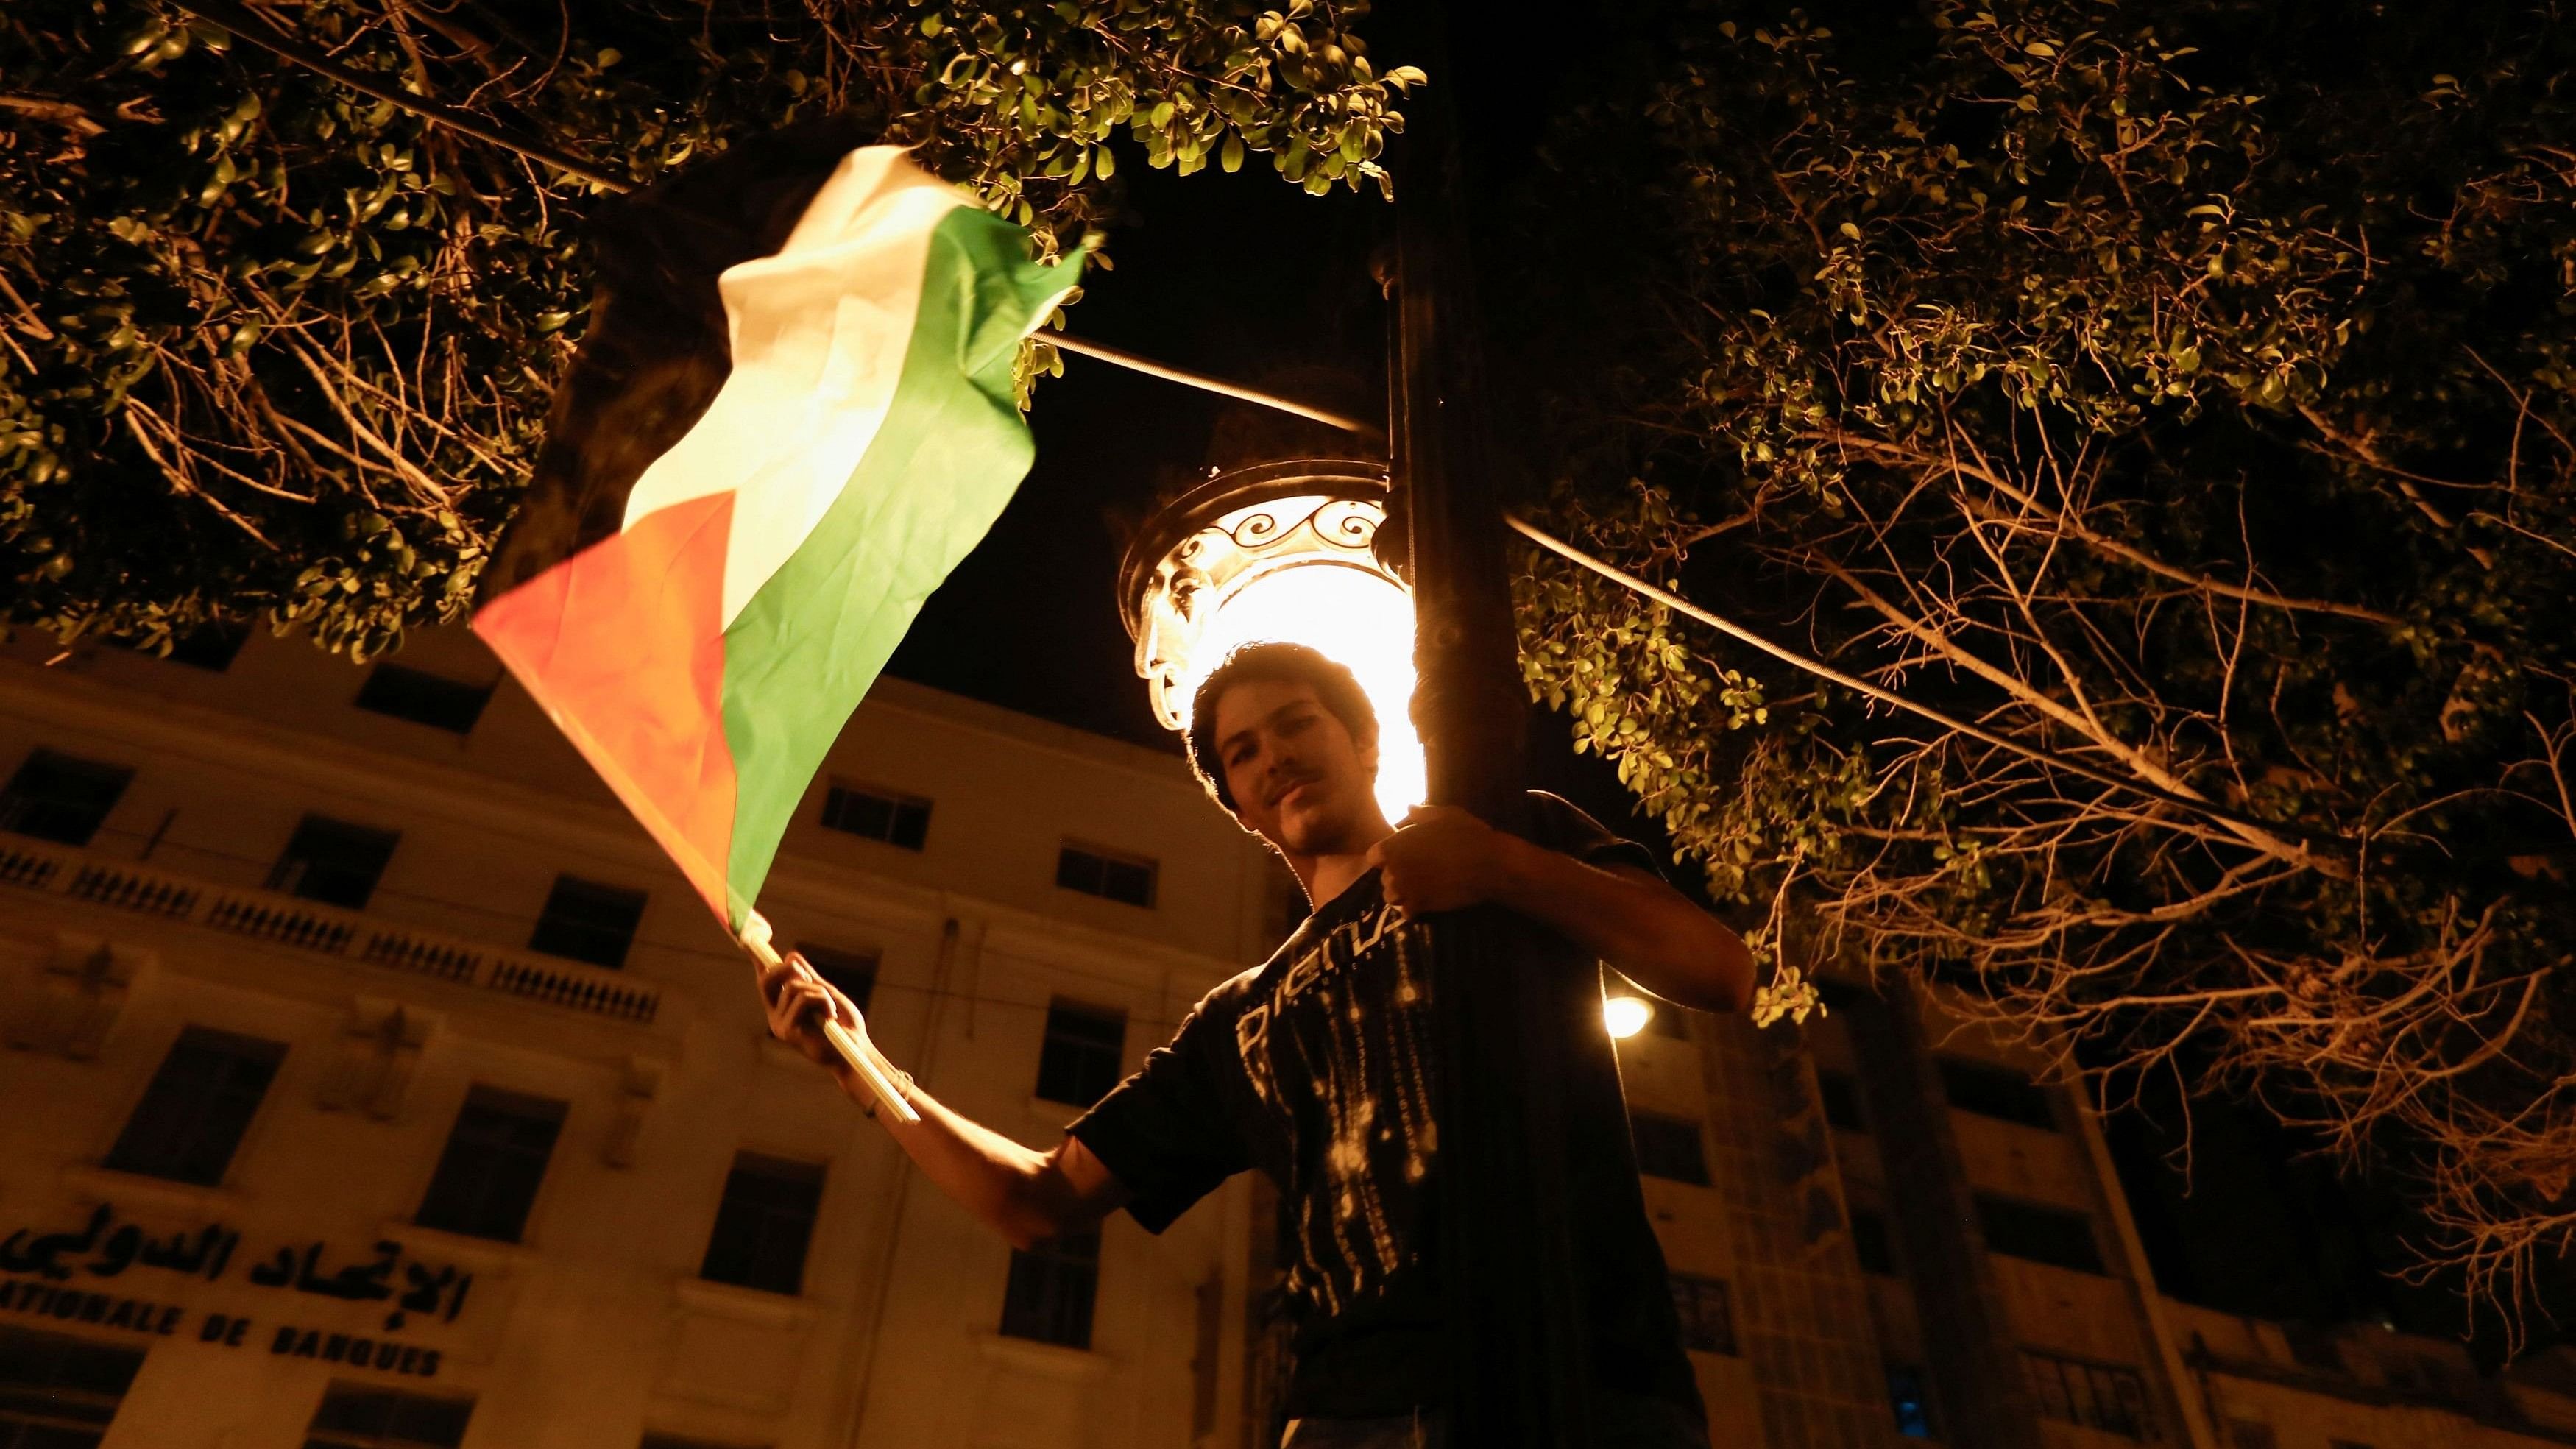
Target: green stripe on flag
[{"x": 951, "y": 451}]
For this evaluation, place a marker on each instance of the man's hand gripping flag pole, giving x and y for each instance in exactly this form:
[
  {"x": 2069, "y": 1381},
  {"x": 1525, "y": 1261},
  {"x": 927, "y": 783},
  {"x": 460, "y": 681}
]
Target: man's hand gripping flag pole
[{"x": 854, "y": 1046}]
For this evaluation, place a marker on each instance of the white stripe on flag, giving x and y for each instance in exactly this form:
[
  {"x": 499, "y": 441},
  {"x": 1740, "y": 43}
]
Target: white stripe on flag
[{"x": 819, "y": 332}]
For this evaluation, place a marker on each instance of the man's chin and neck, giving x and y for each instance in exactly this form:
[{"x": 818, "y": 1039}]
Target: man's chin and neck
[
  {"x": 1340, "y": 828},
  {"x": 1325, "y": 849}
]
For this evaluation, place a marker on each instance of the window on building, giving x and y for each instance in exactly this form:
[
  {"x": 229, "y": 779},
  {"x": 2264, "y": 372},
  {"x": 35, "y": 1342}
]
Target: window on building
[
  {"x": 1905, "y": 1396},
  {"x": 852, "y": 973},
  {"x": 1051, "y": 1290},
  {"x": 211, "y": 648},
  {"x": 1992, "y": 1091},
  {"x": 333, "y": 862},
  {"x": 1840, "y": 1094},
  {"x": 1869, "y": 1241},
  {"x": 58, "y": 1392},
  {"x": 587, "y": 921},
  {"x": 496, "y": 1156},
  {"x": 1708, "y": 1322},
  {"x": 200, "y": 1102},
  {"x": 2041, "y": 1234},
  {"x": 764, "y": 1223},
  {"x": 2096, "y": 1396},
  {"x": 1111, "y": 876},
  {"x": 1668, "y": 1147},
  {"x": 2250, "y": 1434},
  {"x": 1084, "y": 1049},
  {"x": 424, "y": 698},
  {"x": 361, "y": 1416},
  {"x": 59, "y": 798},
  {"x": 901, "y": 820}
]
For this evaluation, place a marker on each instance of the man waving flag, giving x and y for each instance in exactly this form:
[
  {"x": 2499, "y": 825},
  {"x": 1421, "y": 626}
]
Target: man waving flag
[{"x": 792, "y": 417}]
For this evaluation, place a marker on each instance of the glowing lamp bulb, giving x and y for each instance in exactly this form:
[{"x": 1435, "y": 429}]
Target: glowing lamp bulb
[
  {"x": 1279, "y": 552},
  {"x": 1353, "y": 617},
  {"x": 1625, "y": 1016}
]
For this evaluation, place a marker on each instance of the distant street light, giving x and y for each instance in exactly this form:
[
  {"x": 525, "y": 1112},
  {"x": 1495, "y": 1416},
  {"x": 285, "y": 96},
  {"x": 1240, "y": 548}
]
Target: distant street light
[
  {"x": 1626, "y": 1015},
  {"x": 1280, "y": 551}
]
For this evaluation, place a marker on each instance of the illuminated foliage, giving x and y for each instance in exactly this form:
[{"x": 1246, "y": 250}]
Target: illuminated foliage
[
  {"x": 2180, "y": 389},
  {"x": 271, "y": 349}
]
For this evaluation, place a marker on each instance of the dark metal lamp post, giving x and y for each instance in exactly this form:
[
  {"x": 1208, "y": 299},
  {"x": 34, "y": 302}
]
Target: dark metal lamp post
[{"x": 1519, "y": 1362}]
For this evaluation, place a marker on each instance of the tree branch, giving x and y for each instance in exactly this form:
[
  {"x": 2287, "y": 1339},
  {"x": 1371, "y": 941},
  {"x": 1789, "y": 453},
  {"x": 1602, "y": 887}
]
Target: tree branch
[
  {"x": 257, "y": 31},
  {"x": 62, "y": 113},
  {"x": 2261, "y": 836},
  {"x": 2192, "y": 802},
  {"x": 2112, "y": 546}
]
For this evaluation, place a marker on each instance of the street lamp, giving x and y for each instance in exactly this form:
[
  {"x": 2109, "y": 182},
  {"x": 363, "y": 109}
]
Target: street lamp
[
  {"x": 1278, "y": 551},
  {"x": 1288, "y": 551},
  {"x": 1625, "y": 1016}
]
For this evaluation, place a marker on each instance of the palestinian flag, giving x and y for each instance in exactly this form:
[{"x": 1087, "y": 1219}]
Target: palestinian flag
[{"x": 791, "y": 418}]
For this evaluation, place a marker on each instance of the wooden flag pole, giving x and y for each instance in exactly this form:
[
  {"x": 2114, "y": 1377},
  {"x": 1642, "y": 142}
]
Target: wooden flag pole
[
  {"x": 1121, "y": 357},
  {"x": 854, "y": 1046}
]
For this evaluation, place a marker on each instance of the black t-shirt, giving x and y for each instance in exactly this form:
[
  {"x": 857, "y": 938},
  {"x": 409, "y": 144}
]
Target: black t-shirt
[{"x": 1319, "y": 1068}]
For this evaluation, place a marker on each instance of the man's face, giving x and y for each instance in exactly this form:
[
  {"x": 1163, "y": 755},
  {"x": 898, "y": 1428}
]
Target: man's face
[{"x": 1299, "y": 780}]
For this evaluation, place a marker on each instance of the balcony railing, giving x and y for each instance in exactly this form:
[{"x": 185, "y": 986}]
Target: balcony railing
[{"x": 322, "y": 930}]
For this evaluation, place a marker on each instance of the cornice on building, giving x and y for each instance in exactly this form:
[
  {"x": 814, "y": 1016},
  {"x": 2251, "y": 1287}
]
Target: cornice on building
[
  {"x": 80, "y": 707},
  {"x": 267, "y": 939}
]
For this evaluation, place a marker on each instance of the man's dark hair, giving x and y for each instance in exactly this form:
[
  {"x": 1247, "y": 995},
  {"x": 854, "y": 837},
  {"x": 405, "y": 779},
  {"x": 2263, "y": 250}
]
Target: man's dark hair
[{"x": 1336, "y": 688}]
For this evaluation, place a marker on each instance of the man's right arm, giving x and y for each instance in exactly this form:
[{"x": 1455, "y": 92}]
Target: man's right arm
[{"x": 1026, "y": 1195}]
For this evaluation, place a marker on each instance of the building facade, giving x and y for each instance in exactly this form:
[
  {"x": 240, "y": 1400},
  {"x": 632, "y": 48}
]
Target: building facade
[
  {"x": 2009, "y": 1299},
  {"x": 371, "y": 1082},
  {"x": 371, "y": 1079}
]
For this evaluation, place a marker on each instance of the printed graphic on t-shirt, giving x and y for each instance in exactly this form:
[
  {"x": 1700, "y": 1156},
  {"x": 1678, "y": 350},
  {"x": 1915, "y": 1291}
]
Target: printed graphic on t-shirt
[
  {"x": 1319, "y": 1068},
  {"x": 1339, "y": 1049}
]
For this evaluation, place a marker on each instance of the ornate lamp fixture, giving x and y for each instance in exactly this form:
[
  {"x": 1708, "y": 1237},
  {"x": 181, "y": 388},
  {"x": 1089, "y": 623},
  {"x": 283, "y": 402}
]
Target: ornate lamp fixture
[{"x": 1283, "y": 551}]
